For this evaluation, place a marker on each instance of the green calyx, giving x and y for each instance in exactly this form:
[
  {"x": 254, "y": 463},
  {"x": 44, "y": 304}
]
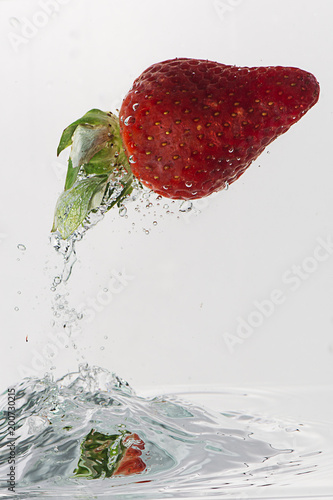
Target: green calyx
[
  {"x": 100, "y": 455},
  {"x": 98, "y": 173}
]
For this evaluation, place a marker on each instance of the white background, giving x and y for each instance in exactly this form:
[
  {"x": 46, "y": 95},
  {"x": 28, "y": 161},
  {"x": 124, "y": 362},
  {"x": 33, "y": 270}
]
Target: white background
[{"x": 194, "y": 277}]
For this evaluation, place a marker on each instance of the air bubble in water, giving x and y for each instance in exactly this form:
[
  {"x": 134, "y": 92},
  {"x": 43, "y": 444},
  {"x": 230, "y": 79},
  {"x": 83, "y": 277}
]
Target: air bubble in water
[
  {"x": 56, "y": 281},
  {"x": 122, "y": 211},
  {"x": 135, "y": 106},
  {"x": 188, "y": 184},
  {"x": 131, "y": 159},
  {"x": 226, "y": 186},
  {"x": 22, "y": 247},
  {"x": 155, "y": 223},
  {"x": 186, "y": 206}
]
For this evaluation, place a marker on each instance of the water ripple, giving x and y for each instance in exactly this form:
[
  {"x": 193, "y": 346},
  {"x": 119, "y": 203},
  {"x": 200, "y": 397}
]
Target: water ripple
[{"x": 189, "y": 451}]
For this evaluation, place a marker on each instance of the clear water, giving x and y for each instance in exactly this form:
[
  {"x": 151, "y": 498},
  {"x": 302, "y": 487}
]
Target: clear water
[{"x": 190, "y": 450}]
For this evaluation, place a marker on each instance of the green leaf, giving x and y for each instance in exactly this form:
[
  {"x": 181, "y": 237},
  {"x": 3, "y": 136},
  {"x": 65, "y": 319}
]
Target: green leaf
[
  {"x": 100, "y": 455},
  {"x": 74, "y": 205},
  {"x": 92, "y": 117},
  {"x": 128, "y": 188},
  {"x": 98, "y": 159},
  {"x": 71, "y": 174},
  {"x": 102, "y": 162},
  {"x": 87, "y": 141}
]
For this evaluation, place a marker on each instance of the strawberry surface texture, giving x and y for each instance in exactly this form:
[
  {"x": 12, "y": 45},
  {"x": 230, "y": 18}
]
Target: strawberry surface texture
[{"x": 191, "y": 127}]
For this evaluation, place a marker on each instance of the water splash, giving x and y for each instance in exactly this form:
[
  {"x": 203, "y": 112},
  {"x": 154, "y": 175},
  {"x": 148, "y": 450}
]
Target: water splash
[
  {"x": 66, "y": 249},
  {"x": 187, "y": 450}
]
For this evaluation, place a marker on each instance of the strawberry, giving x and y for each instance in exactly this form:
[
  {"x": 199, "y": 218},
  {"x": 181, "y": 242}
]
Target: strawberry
[
  {"x": 104, "y": 455},
  {"x": 131, "y": 463},
  {"x": 192, "y": 127},
  {"x": 186, "y": 129}
]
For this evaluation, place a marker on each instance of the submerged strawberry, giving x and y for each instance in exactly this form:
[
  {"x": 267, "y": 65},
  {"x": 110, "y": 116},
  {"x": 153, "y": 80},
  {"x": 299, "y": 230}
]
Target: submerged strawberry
[
  {"x": 187, "y": 128},
  {"x": 104, "y": 455},
  {"x": 131, "y": 462}
]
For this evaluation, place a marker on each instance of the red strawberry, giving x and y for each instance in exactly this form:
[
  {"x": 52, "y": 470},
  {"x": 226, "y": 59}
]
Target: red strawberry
[
  {"x": 131, "y": 463},
  {"x": 187, "y": 128},
  {"x": 194, "y": 126}
]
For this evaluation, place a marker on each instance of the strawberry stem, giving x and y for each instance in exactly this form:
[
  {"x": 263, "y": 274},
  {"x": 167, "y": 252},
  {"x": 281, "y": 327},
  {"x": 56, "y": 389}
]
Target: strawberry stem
[{"x": 98, "y": 171}]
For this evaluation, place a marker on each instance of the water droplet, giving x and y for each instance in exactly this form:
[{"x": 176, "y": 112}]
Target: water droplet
[
  {"x": 155, "y": 223},
  {"x": 122, "y": 211},
  {"x": 188, "y": 184},
  {"x": 129, "y": 120},
  {"x": 149, "y": 205},
  {"x": 135, "y": 106},
  {"x": 131, "y": 159},
  {"x": 159, "y": 197},
  {"x": 146, "y": 231},
  {"x": 186, "y": 206},
  {"x": 22, "y": 247},
  {"x": 56, "y": 281}
]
